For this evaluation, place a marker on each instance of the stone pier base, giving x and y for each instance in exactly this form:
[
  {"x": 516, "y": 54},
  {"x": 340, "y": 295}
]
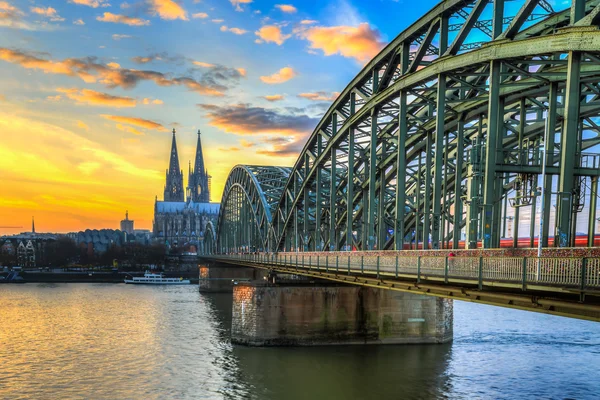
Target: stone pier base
[
  {"x": 320, "y": 315},
  {"x": 220, "y": 278}
]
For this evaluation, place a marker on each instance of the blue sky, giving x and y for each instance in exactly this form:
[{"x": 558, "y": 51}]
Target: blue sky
[{"x": 90, "y": 90}]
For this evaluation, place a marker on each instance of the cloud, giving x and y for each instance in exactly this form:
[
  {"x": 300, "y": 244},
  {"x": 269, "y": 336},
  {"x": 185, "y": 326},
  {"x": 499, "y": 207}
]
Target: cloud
[
  {"x": 91, "y": 3},
  {"x": 274, "y": 97},
  {"x": 286, "y": 8},
  {"x": 88, "y": 167},
  {"x": 150, "y": 101},
  {"x": 284, "y": 146},
  {"x": 245, "y": 143},
  {"x": 129, "y": 129},
  {"x": 118, "y": 36},
  {"x": 2, "y": 97},
  {"x": 236, "y": 4},
  {"x": 242, "y": 71},
  {"x": 319, "y": 96},
  {"x": 122, "y": 19},
  {"x": 82, "y": 125},
  {"x": 200, "y": 15},
  {"x": 79, "y": 22},
  {"x": 308, "y": 21},
  {"x": 11, "y": 17},
  {"x": 203, "y": 64},
  {"x": 113, "y": 65},
  {"x": 237, "y": 31},
  {"x": 212, "y": 83},
  {"x": 361, "y": 43},
  {"x": 91, "y": 97},
  {"x": 168, "y": 9},
  {"x": 217, "y": 20},
  {"x": 272, "y": 33},
  {"x": 243, "y": 119},
  {"x": 54, "y": 98},
  {"x": 143, "y": 123},
  {"x": 47, "y": 12},
  {"x": 228, "y": 149},
  {"x": 283, "y": 75}
]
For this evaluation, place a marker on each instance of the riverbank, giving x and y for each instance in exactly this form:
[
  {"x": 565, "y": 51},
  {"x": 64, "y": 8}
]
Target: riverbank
[{"x": 98, "y": 277}]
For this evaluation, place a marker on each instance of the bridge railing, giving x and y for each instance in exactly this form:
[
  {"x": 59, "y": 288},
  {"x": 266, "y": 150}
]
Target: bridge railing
[{"x": 582, "y": 273}]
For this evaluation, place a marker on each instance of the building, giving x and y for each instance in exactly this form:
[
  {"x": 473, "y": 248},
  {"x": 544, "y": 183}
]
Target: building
[
  {"x": 187, "y": 225},
  {"x": 127, "y": 224},
  {"x": 28, "y": 247},
  {"x": 97, "y": 241}
]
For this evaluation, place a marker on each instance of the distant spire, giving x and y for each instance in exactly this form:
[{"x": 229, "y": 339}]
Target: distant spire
[
  {"x": 32, "y": 225},
  {"x": 199, "y": 163},
  {"x": 127, "y": 215},
  {"x": 174, "y": 163}
]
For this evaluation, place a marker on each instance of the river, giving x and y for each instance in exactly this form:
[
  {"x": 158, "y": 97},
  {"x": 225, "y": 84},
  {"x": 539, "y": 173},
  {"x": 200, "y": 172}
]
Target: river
[{"x": 112, "y": 341}]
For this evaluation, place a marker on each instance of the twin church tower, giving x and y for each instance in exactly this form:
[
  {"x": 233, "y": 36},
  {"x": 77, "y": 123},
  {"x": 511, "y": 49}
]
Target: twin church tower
[{"x": 198, "y": 189}]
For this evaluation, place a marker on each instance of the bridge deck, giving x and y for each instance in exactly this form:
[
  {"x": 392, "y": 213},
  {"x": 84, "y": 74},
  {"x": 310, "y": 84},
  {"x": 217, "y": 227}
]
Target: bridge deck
[{"x": 567, "y": 286}]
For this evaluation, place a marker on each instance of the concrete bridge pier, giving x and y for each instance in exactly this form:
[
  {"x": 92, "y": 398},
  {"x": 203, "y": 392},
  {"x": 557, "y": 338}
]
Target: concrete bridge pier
[
  {"x": 321, "y": 314},
  {"x": 215, "y": 277}
]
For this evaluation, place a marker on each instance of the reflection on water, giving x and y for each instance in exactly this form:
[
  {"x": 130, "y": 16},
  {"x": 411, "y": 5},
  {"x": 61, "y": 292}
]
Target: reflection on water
[{"x": 116, "y": 341}]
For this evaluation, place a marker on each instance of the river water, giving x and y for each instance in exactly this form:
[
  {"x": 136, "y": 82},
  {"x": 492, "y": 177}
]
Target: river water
[{"x": 107, "y": 341}]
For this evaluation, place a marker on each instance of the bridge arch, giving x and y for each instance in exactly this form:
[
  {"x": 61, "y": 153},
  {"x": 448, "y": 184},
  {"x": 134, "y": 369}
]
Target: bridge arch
[
  {"x": 462, "y": 115},
  {"x": 249, "y": 201}
]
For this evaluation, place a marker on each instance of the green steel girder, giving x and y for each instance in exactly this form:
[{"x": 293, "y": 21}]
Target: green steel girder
[{"x": 395, "y": 151}]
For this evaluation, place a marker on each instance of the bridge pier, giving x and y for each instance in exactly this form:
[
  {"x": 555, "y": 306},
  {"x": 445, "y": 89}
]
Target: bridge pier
[
  {"x": 217, "y": 277},
  {"x": 298, "y": 314}
]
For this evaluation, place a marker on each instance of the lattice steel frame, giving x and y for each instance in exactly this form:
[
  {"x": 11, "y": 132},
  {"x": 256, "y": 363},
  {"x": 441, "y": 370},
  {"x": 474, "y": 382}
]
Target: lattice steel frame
[{"x": 457, "y": 112}]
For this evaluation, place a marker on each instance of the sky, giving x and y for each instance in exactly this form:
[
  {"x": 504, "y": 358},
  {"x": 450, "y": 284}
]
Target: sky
[{"x": 90, "y": 91}]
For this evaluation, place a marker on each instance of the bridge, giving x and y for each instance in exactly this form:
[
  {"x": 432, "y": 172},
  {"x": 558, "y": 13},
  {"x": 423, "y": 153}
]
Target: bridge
[{"x": 479, "y": 119}]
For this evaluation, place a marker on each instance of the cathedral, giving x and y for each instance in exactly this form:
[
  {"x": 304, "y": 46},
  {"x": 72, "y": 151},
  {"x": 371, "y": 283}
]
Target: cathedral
[{"x": 186, "y": 219}]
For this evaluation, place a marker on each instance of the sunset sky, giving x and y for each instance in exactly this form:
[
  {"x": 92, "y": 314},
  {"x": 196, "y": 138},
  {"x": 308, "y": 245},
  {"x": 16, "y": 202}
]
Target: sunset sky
[{"x": 91, "y": 89}]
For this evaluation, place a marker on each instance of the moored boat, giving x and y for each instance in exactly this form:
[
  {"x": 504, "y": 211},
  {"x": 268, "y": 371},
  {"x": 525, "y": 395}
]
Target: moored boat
[{"x": 150, "y": 278}]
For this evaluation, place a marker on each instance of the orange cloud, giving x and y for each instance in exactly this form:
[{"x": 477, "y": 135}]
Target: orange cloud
[
  {"x": 242, "y": 71},
  {"x": 122, "y": 19},
  {"x": 48, "y": 12},
  {"x": 91, "y": 3},
  {"x": 361, "y": 43},
  {"x": 319, "y": 96},
  {"x": 91, "y": 97},
  {"x": 143, "y": 123},
  {"x": 150, "y": 101},
  {"x": 168, "y": 9},
  {"x": 203, "y": 64},
  {"x": 283, "y": 75},
  {"x": 129, "y": 129},
  {"x": 79, "y": 22},
  {"x": 237, "y": 31},
  {"x": 200, "y": 15},
  {"x": 286, "y": 8},
  {"x": 247, "y": 144},
  {"x": 308, "y": 21},
  {"x": 236, "y": 4},
  {"x": 217, "y": 21},
  {"x": 274, "y": 97},
  {"x": 271, "y": 33}
]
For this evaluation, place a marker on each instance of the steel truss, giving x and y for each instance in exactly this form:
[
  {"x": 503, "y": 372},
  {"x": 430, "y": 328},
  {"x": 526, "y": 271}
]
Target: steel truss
[
  {"x": 250, "y": 198},
  {"x": 456, "y": 108}
]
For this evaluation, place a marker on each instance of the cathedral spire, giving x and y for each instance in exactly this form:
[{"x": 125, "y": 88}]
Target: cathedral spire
[
  {"x": 198, "y": 182},
  {"x": 174, "y": 163},
  {"x": 199, "y": 163},
  {"x": 32, "y": 225},
  {"x": 174, "y": 185}
]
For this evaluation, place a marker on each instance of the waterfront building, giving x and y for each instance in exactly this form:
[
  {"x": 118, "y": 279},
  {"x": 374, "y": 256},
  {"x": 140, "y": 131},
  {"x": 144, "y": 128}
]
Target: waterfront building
[
  {"x": 29, "y": 247},
  {"x": 185, "y": 224},
  {"x": 127, "y": 224}
]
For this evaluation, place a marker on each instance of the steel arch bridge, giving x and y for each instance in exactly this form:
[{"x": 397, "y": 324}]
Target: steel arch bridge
[{"x": 473, "y": 108}]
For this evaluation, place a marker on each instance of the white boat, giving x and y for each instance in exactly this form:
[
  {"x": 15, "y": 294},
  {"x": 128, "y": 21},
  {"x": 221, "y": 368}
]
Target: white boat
[{"x": 150, "y": 278}]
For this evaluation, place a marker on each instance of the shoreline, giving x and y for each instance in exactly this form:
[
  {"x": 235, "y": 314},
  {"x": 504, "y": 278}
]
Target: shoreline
[{"x": 94, "y": 277}]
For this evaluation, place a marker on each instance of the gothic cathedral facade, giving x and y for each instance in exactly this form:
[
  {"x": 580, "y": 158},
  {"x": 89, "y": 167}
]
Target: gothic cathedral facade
[{"x": 186, "y": 223}]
